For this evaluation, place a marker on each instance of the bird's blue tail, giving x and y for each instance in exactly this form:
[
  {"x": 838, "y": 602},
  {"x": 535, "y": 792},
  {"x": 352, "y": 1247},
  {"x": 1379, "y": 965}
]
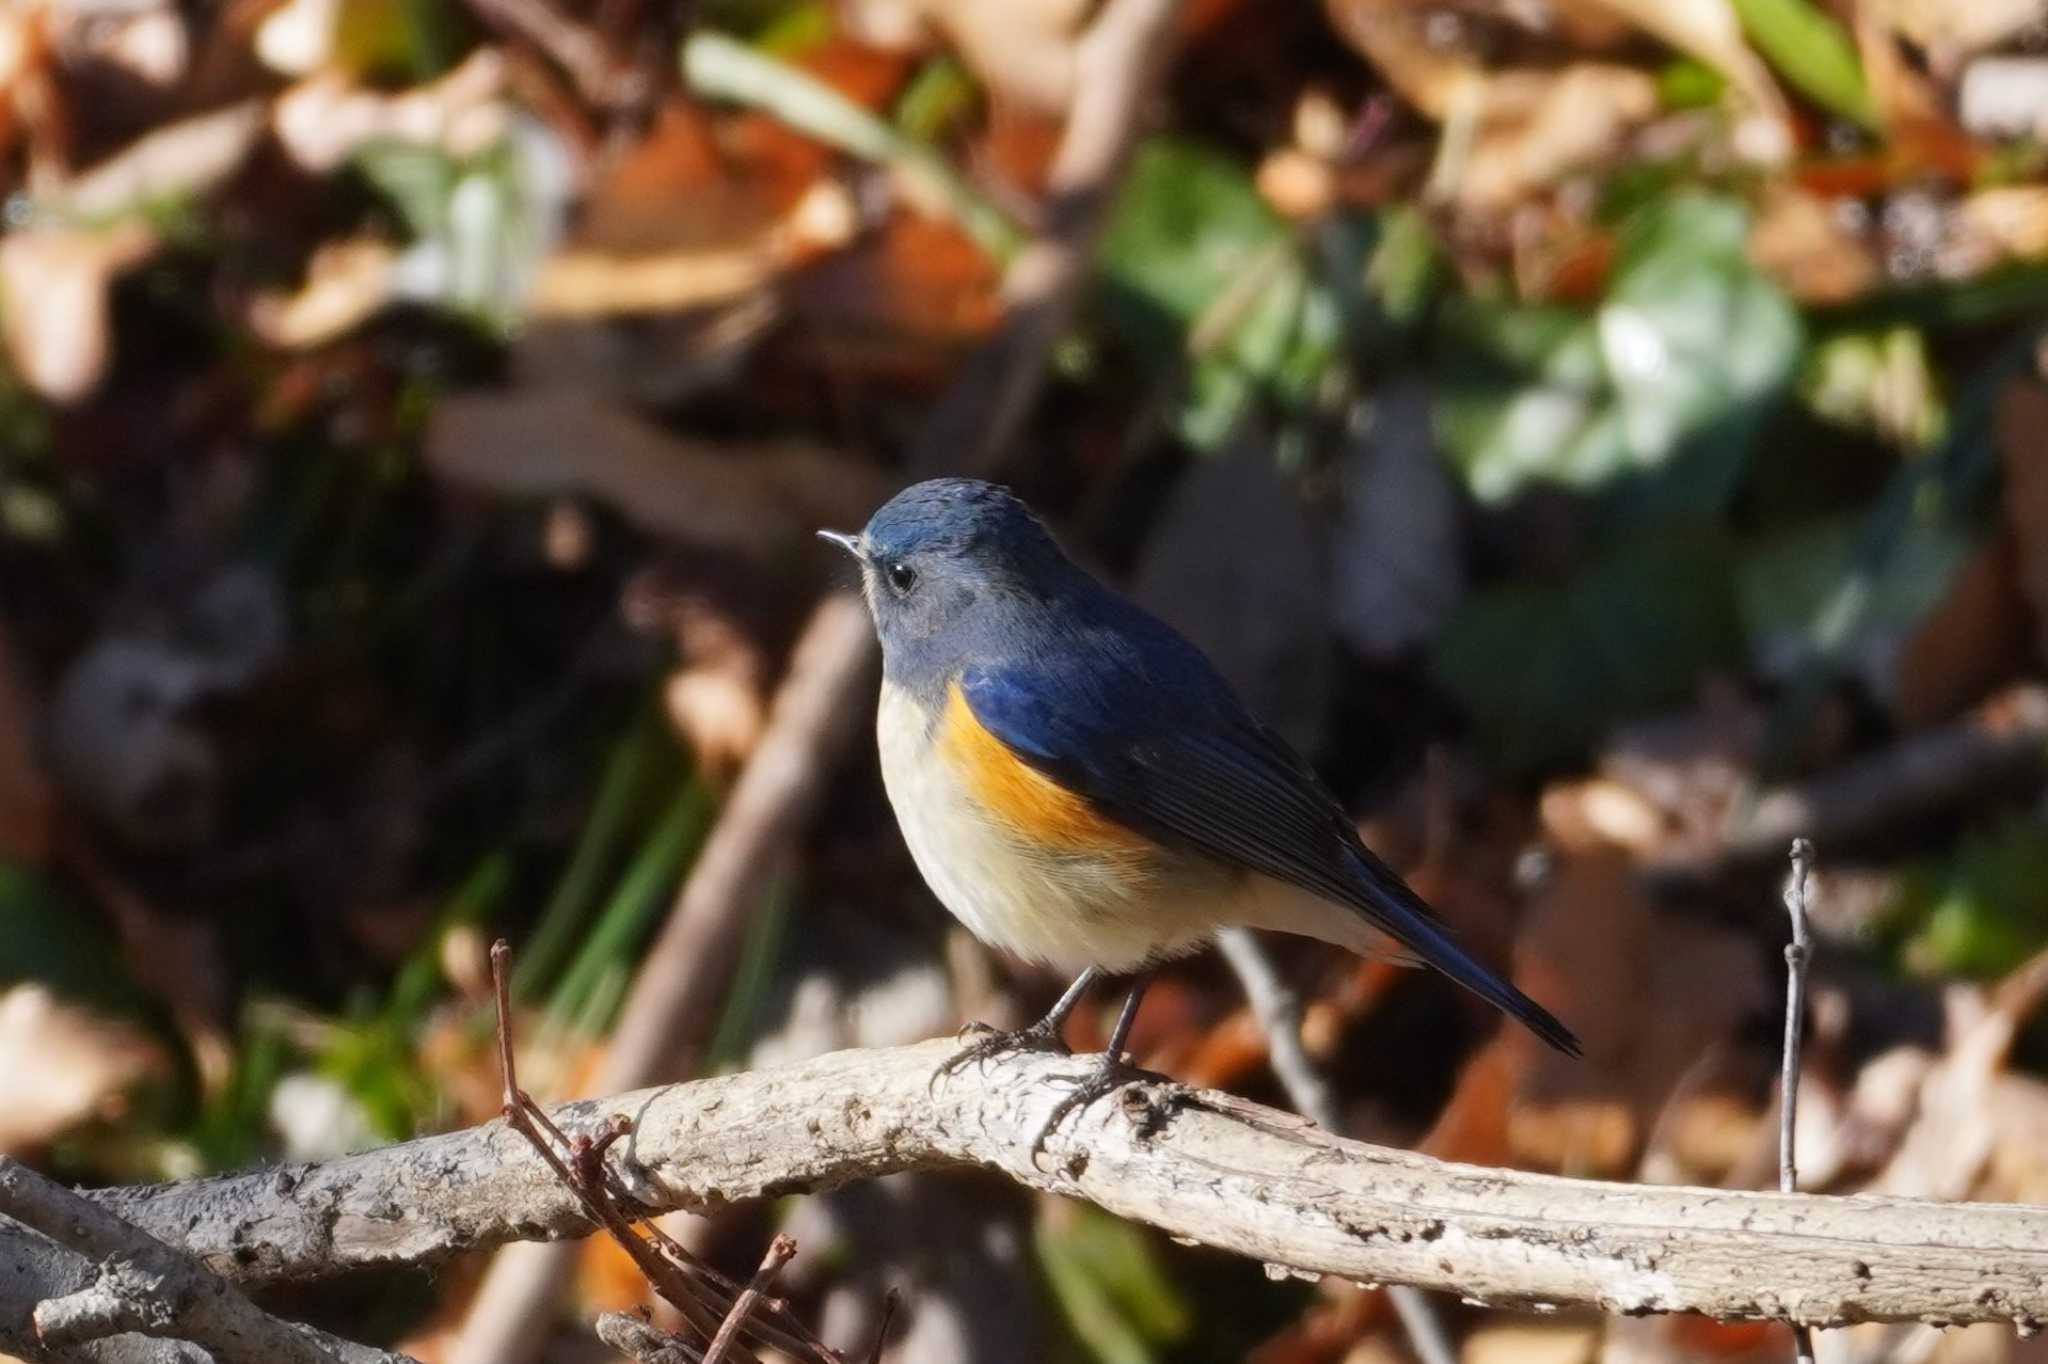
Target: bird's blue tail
[{"x": 1398, "y": 911}]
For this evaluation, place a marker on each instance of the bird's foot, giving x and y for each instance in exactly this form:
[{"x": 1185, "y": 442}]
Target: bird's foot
[
  {"x": 1110, "y": 1075},
  {"x": 989, "y": 1043}
]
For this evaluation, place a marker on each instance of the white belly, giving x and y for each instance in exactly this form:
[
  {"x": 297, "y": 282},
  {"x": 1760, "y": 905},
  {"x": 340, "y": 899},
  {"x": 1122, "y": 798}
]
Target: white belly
[{"x": 1070, "y": 911}]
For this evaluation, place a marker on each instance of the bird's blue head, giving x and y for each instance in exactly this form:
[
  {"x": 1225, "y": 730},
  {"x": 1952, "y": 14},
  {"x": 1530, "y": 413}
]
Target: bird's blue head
[{"x": 949, "y": 561}]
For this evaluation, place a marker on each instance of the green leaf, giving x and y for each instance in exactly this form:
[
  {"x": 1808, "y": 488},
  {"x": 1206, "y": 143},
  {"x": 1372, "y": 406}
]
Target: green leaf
[
  {"x": 1813, "y": 52},
  {"x": 938, "y": 97},
  {"x": 1105, "y": 1275},
  {"x": 1979, "y": 911},
  {"x": 1678, "y": 360},
  {"x": 1546, "y": 670},
  {"x": 718, "y": 67},
  {"x": 1199, "y": 272}
]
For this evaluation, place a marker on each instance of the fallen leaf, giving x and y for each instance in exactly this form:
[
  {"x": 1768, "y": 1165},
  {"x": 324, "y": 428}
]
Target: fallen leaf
[
  {"x": 64, "y": 1065},
  {"x": 1965, "y": 1108},
  {"x": 1949, "y": 33},
  {"x": 579, "y": 283},
  {"x": 1803, "y": 243},
  {"x": 347, "y": 282},
  {"x": 2005, "y": 97},
  {"x": 324, "y": 120},
  {"x": 904, "y": 297},
  {"x": 1992, "y": 228},
  {"x": 297, "y": 37},
  {"x": 185, "y": 158},
  {"x": 1593, "y": 944},
  {"x": 1579, "y": 118},
  {"x": 56, "y": 281},
  {"x": 717, "y": 698},
  {"x": 145, "y": 41}
]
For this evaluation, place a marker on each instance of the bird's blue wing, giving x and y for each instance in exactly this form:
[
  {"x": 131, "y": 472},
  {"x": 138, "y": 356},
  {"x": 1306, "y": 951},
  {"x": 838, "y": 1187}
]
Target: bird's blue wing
[{"x": 1148, "y": 733}]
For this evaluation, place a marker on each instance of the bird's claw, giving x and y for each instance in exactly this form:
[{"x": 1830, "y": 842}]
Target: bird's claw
[
  {"x": 990, "y": 1043},
  {"x": 1104, "y": 1080}
]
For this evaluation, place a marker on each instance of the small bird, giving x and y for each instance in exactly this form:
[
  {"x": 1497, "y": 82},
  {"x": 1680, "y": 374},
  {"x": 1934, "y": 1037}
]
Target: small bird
[{"x": 1081, "y": 788}]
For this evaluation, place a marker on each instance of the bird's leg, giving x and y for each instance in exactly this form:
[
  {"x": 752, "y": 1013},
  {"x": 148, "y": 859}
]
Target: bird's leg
[
  {"x": 1106, "y": 1076},
  {"x": 1044, "y": 1035}
]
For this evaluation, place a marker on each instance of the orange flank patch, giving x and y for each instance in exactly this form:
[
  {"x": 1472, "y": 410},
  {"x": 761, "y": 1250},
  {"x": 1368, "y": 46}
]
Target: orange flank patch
[{"x": 1031, "y": 804}]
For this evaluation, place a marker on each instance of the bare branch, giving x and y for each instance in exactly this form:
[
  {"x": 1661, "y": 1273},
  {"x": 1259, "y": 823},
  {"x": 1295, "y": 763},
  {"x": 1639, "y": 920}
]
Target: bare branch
[
  {"x": 1200, "y": 1165},
  {"x": 139, "y": 1287}
]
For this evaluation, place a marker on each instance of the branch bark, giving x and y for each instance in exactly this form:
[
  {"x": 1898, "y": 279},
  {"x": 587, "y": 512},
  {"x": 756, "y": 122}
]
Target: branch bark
[
  {"x": 1196, "y": 1164},
  {"x": 78, "y": 1282}
]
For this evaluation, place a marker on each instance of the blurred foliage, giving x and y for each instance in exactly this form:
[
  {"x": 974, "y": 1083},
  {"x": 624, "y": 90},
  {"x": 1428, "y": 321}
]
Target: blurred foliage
[
  {"x": 1658, "y": 393},
  {"x": 1980, "y": 911}
]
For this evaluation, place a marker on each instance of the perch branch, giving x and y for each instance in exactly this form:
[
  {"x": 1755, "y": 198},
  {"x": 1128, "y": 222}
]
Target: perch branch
[{"x": 1198, "y": 1165}]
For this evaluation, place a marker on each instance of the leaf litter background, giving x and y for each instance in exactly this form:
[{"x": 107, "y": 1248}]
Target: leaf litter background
[{"x": 1609, "y": 435}]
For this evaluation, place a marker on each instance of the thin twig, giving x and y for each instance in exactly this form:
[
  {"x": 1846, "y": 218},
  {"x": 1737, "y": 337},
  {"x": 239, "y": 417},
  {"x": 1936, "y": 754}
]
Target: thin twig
[
  {"x": 891, "y": 1301},
  {"x": 707, "y": 1300},
  {"x": 1278, "y": 1009},
  {"x": 779, "y": 1251},
  {"x": 1796, "y": 957}
]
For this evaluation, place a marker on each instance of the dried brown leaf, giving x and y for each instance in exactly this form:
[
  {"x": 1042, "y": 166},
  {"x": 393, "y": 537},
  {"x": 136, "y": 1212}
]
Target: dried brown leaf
[
  {"x": 323, "y": 120},
  {"x": 64, "y": 1065},
  {"x": 347, "y": 282},
  {"x": 189, "y": 157},
  {"x": 577, "y": 283},
  {"x": 55, "y": 281},
  {"x": 1800, "y": 241},
  {"x": 1564, "y": 123}
]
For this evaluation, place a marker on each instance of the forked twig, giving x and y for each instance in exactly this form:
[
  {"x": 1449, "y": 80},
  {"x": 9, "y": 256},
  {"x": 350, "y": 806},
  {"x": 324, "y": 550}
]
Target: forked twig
[
  {"x": 779, "y": 1251},
  {"x": 714, "y": 1306}
]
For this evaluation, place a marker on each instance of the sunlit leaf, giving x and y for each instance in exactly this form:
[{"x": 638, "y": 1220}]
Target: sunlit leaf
[
  {"x": 1813, "y": 52},
  {"x": 1679, "y": 359},
  {"x": 1199, "y": 271},
  {"x": 1978, "y": 911}
]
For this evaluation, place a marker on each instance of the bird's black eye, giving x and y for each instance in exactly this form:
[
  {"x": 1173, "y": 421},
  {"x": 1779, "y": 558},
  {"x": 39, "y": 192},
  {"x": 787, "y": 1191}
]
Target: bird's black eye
[{"x": 902, "y": 577}]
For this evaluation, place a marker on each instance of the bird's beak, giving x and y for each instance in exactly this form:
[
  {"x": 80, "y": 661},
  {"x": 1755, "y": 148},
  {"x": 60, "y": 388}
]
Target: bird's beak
[{"x": 849, "y": 543}]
